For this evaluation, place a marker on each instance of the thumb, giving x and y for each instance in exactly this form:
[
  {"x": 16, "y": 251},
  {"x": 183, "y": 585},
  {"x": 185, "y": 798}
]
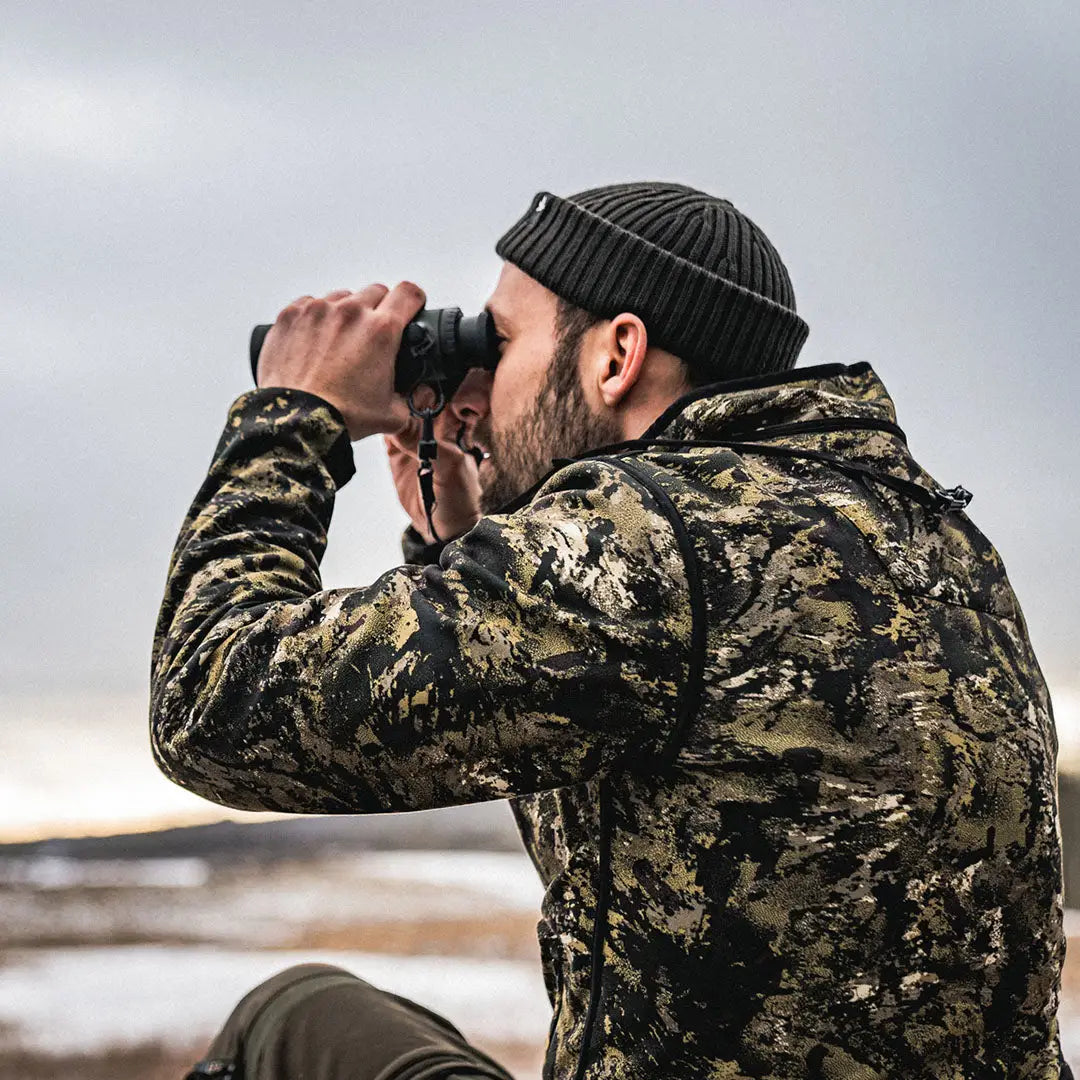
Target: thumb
[
  {"x": 406, "y": 440},
  {"x": 400, "y": 419}
]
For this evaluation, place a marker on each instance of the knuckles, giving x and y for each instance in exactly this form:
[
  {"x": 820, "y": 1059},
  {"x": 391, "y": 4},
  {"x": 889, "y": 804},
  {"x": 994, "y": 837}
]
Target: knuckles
[
  {"x": 379, "y": 326},
  {"x": 350, "y": 307},
  {"x": 298, "y": 307}
]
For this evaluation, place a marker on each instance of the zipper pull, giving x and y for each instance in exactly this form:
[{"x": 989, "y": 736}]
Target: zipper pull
[{"x": 951, "y": 499}]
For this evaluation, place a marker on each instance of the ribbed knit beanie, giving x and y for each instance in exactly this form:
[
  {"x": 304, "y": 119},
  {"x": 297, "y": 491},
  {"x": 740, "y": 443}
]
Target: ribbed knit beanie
[{"x": 701, "y": 276}]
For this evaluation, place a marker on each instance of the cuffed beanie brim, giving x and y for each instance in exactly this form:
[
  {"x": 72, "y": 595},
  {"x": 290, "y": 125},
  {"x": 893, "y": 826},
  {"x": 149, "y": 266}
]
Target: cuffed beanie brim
[{"x": 705, "y": 318}]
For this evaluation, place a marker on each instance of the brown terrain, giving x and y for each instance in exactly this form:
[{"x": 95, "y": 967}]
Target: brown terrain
[
  {"x": 263, "y": 903},
  {"x": 235, "y": 907}
]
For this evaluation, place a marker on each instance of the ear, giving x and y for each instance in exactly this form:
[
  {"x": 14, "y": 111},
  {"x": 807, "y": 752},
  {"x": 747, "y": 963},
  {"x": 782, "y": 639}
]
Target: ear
[{"x": 619, "y": 356}]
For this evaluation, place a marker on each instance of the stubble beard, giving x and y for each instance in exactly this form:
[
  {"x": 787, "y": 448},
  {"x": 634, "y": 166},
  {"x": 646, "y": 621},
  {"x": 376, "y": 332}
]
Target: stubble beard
[{"x": 560, "y": 424}]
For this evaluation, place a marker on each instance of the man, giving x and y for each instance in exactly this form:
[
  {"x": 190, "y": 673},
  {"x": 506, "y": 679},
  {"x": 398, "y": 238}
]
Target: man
[{"x": 758, "y": 691}]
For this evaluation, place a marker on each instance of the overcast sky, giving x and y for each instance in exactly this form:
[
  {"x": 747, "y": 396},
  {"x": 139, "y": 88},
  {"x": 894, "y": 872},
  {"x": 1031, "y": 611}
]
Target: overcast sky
[{"x": 171, "y": 174}]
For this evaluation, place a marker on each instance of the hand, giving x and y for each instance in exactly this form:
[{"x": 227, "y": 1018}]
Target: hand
[
  {"x": 343, "y": 348},
  {"x": 456, "y": 474}
]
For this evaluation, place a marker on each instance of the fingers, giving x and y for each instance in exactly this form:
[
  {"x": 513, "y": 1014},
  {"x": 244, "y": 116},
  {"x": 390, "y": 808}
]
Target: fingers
[
  {"x": 403, "y": 301},
  {"x": 371, "y": 295}
]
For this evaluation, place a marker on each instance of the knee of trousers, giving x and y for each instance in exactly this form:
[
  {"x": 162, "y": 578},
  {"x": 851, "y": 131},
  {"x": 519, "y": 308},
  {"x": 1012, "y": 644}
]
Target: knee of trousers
[
  {"x": 285, "y": 985},
  {"x": 324, "y": 1023}
]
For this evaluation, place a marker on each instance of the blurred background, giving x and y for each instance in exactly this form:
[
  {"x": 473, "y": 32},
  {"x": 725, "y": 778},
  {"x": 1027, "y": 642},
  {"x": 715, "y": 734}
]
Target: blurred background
[{"x": 171, "y": 174}]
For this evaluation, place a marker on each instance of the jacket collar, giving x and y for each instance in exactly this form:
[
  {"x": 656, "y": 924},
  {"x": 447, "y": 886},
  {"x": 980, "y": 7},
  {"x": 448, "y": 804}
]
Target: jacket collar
[{"x": 821, "y": 392}]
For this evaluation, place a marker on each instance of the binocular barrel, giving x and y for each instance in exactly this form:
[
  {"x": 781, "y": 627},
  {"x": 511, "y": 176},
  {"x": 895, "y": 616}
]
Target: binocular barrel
[{"x": 438, "y": 347}]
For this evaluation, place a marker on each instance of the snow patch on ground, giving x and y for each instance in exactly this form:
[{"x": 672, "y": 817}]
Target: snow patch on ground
[
  {"x": 45, "y": 900},
  {"x": 82, "y": 1000},
  {"x": 58, "y": 872},
  {"x": 504, "y": 877}
]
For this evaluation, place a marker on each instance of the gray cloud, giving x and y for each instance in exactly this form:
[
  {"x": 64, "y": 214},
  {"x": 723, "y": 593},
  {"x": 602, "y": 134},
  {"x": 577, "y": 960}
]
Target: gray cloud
[{"x": 170, "y": 176}]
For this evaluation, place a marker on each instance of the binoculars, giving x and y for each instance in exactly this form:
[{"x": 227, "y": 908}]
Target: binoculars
[{"x": 438, "y": 347}]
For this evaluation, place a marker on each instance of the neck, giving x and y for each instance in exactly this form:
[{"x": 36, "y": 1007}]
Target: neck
[
  {"x": 662, "y": 380},
  {"x": 641, "y": 414}
]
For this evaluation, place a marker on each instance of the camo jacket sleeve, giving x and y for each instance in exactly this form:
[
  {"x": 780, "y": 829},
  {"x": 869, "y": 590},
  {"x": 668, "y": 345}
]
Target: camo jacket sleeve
[
  {"x": 417, "y": 551},
  {"x": 545, "y": 648}
]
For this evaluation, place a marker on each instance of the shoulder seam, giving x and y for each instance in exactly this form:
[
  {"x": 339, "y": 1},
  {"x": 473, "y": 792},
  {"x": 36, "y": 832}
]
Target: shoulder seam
[{"x": 696, "y": 675}]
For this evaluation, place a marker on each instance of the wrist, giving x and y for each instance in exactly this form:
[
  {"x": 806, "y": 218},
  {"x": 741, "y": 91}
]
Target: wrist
[
  {"x": 358, "y": 423},
  {"x": 282, "y": 412}
]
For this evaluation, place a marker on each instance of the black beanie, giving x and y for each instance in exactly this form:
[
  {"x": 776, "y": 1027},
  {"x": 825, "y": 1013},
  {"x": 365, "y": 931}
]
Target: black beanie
[{"x": 701, "y": 276}]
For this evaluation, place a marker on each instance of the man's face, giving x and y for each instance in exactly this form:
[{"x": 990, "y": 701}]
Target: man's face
[{"x": 534, "y": 408}]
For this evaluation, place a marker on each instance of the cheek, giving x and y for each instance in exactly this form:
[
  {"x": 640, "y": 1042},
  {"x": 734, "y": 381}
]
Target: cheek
[
  {"x": 517, "y": 381},
  {"x": 501, "y": 384}
]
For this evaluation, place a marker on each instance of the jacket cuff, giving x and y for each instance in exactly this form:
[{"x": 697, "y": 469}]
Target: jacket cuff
[
  {"x": 271, "y": 411},
  {"x": 417, "y": 551}
]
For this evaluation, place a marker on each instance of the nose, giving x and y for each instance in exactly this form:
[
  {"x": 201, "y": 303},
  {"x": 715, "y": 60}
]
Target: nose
[{"x": 472, "y": 401}]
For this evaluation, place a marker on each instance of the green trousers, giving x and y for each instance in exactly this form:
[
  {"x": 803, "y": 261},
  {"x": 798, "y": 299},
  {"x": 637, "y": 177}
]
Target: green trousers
[{"x": 318, "y": 1022}]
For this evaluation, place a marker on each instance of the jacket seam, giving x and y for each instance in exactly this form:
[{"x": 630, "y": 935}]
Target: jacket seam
[
  {"x": 902, "y": 589},
  {"x": 696, "y": 673},
  {"x": 599, "y": 936},
  {"x": 694, "y": 683}
]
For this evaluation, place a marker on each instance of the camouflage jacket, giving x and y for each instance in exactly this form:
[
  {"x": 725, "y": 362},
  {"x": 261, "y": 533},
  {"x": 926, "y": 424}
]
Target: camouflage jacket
[{"x": 770, "y": 724}]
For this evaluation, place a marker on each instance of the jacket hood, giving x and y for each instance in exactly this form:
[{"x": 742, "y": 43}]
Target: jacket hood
[{"x": 822, "y": 392}]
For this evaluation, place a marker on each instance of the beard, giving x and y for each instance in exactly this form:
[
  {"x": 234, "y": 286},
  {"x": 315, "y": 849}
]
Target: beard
[{"x": 559, "y": 424}]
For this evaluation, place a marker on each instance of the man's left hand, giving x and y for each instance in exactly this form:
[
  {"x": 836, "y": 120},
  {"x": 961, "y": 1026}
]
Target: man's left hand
[{"x": 343, "y": 348}]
